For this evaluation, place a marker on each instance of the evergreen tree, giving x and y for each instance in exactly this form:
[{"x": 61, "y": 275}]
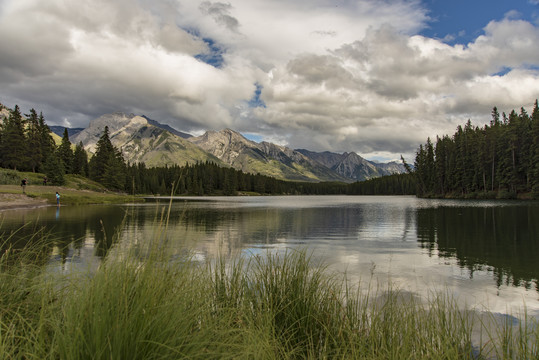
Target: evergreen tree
[
  {"x": 104, "y": 150},
  {"x": 65, "y": 153},
  {"x": 114, "y": 176},
  {"x": 54, "y": 170},
  {"x": 430, "y": 176},
  {"x": 80, "y": 160},
  {"x": 492, "y": 139},
  {"x": 46, "y": 143},
  {"x": 13, "y": 148},
  {"x": 107, "y": 166},
  {"x": 534, "y": 150},
  {"x": 421, "y": 170},
  {"x": 35, "y": 155},
  {"x": 441, "y": 153}
]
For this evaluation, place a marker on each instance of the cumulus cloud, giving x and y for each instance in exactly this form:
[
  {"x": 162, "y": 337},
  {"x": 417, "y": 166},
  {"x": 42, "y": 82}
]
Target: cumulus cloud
[
  {"x": 390, "y": 91},
  {"x": 95, "y": 57},
  {"x": 220, "y": 12},
  {"x": 344, "y": 75}
]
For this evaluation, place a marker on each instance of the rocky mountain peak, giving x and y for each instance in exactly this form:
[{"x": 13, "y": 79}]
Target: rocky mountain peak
[
  {"x": 353, "y": 158},
  {"x": 121, "y": 126},
  {"x": 235, "y": 137},
  {"x": 226, "y": 144}
]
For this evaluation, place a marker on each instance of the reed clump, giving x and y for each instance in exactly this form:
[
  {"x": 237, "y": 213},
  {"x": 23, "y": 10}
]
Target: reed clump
[{"x": 284, "y": 306}]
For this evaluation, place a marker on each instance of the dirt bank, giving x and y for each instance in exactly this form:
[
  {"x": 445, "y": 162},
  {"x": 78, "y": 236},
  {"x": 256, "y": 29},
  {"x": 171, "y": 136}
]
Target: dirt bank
[{"x": 18, "y": 201}]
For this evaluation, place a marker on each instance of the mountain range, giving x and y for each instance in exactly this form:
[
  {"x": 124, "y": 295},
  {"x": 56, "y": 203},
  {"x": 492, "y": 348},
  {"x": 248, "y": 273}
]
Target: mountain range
[{"x": 145, "y": 140}]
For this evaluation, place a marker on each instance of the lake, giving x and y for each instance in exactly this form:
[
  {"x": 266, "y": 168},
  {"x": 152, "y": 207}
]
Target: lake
[{"x": 485, "y": 253}]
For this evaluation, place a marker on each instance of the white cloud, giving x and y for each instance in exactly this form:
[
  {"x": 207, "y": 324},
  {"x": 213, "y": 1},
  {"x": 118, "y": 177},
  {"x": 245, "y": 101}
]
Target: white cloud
[
  {"x": 398, "y": 89},
  {"x": 334, "y": 74}
]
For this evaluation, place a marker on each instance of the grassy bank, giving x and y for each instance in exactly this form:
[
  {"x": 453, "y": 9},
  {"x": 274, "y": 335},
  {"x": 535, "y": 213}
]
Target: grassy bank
[
  {"x": 273, "y": 307},
  {"x": 77, "y": 189},
  {"x": 70, "y": 196}
]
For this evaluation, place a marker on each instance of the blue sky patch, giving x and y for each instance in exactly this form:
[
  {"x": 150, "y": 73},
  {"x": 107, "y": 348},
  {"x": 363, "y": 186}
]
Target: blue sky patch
[
  {"x": 253, "y": 137},
  {"x": 255, "y": 100},
  {"x": 215, "y": 55},
  {"x": 462, "y": 21},
  {"x": 503, "y": 71}
]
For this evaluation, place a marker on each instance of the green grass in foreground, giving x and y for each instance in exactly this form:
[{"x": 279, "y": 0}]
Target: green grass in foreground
[{"x": 272, "y": 307}]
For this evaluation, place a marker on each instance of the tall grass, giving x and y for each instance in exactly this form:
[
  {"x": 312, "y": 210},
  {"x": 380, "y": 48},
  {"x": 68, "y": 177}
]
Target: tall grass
[{"x": 264, "y": 307}]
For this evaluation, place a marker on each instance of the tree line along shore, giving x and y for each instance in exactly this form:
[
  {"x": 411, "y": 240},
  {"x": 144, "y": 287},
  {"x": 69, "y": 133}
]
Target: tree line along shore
[{"x": 498, "y": 160}]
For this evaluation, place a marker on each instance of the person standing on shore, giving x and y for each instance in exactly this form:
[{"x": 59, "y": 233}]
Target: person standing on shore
[
  {"x": 23, "y": 185},
  {"x": 57, "y": 199}
]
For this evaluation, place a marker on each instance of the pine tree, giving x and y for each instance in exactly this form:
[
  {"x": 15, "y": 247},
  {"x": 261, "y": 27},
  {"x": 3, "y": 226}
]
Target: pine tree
[
  {"x": 65, "y": 153},
  {"x": 14, "y": 150},
  {"x": 80, "y": 160},
  {"x": 104, "y": 150},
  {"x": 114, "y": 176},
  {"x": 441, "y": 154},
  {"x": 35, "y": 155},
  {"x": 54, "y": 170},
  {"x": 46, "y": 142},
  {"x": 525, "y": 149},
  {"x": 492, "y": 139},
  {"x": 534, "y": 150},
  {"x": 107, "y": 166},
  {"x": 430, "y": 169}
]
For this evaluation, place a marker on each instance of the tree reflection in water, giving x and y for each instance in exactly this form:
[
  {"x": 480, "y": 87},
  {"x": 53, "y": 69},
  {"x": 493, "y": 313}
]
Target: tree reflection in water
[{"x": 500, "y": 239}]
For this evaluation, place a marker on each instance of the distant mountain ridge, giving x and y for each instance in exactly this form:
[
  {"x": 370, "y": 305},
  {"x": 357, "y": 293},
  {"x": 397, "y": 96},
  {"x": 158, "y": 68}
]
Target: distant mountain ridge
[
  {"x": 353, "y": 166},
  {"x": 145, "y": 140},
  {"x": 265, "y": 158},
  {"x": 59, "y": 130}
]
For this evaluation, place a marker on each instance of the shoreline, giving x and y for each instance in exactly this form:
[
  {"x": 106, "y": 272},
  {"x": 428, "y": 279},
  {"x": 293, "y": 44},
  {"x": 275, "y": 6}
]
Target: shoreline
[
  {"x": 11, "y": 197},
  {"x": 20, "y": 201}
]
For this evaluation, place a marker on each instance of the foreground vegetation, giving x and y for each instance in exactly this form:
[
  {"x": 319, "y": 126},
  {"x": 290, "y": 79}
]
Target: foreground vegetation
[{"x": 147, "y": 305}]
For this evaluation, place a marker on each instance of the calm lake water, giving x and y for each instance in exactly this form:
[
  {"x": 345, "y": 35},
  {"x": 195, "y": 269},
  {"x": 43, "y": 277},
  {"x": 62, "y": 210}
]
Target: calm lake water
[{"x": 485, "y": 253}]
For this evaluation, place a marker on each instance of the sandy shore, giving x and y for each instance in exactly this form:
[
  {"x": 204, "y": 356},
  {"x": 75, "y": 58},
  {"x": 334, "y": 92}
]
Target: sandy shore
[{"x": 19, "y": 201}]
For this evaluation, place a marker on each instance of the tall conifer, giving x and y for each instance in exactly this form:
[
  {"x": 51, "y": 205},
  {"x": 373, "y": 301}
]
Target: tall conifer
[
  {"x": 14, "y": 149},
  {"x": 107, "y": 166},
  {"x": 534, "y": 150},
  {"x": 80, "y": 160},
  {"x": 66, "y": 153},
  {"x": 46, "y": 142},
  {"x": 35, "y": 155}
]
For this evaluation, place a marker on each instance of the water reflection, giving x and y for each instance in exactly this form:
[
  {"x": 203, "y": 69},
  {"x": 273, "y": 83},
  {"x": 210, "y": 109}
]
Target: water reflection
[
  {"x": 78, "y": 233},
  {"x": 503, "y": 239},
  {"x": 485, "y": 251}
]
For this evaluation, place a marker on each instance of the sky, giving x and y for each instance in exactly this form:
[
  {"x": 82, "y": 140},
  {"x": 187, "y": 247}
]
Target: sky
[{"x": 376, "y": 77}]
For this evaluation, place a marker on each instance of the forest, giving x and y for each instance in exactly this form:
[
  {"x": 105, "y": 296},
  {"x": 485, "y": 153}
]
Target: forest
[
  {"x": 26, "y": 144},
  {"x": 498, "y": 160}
]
